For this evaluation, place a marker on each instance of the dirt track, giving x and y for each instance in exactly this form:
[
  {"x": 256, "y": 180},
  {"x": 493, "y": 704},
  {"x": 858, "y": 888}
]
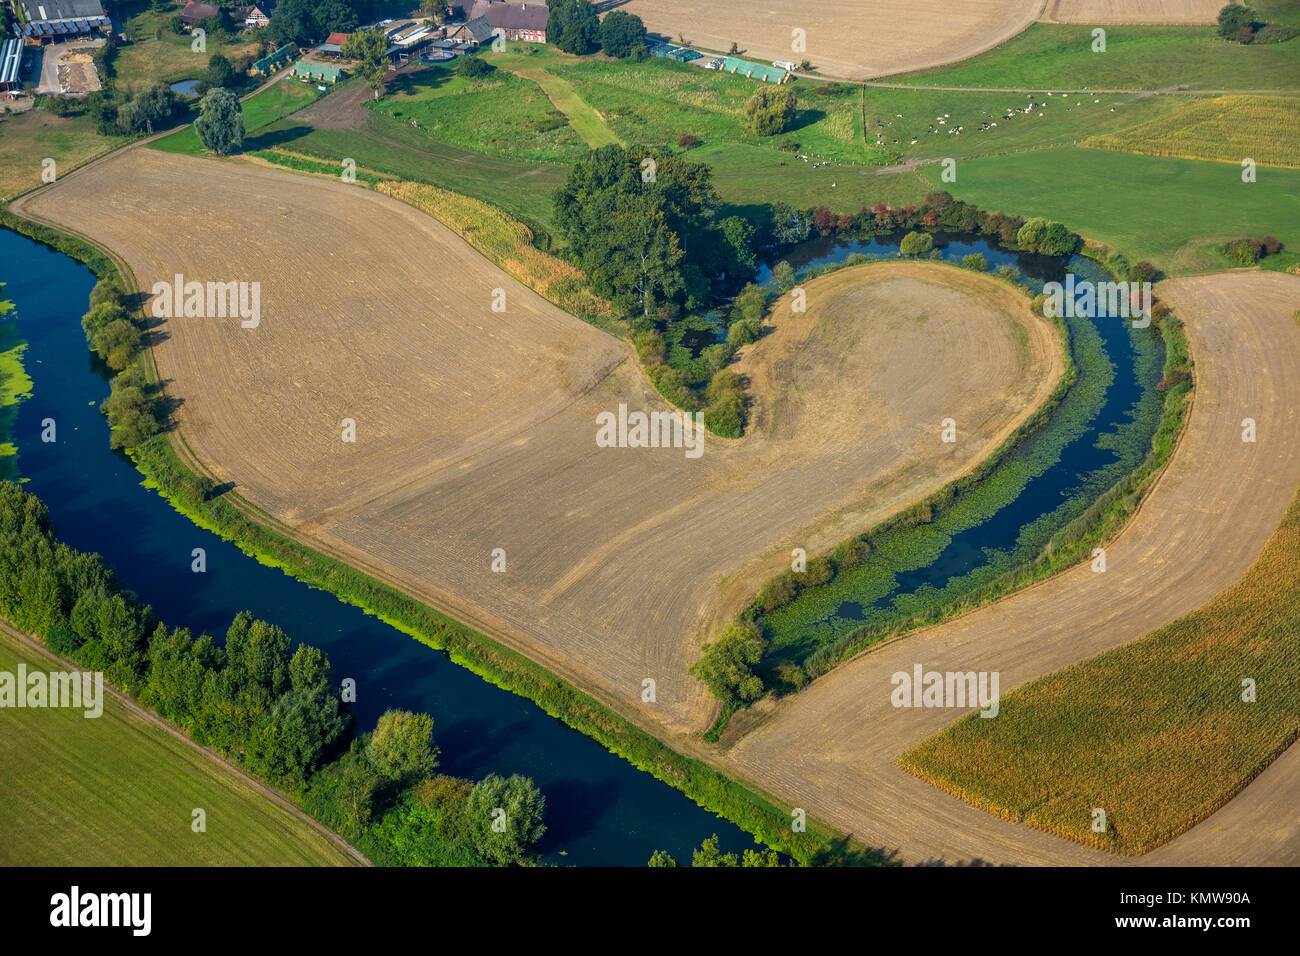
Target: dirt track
[
  {"x": 846, "y": 39},
  {"x": 833, "y": 748},
  {"x": 476, "y": 429},
  {"x": 1132, "y": 11}
]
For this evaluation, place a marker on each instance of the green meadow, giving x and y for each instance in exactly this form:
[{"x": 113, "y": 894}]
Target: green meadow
[
  {"x": 1060, "y": 56},
  {"x": 1174, "y": 212},
  {"x": 118, "y": 790}
]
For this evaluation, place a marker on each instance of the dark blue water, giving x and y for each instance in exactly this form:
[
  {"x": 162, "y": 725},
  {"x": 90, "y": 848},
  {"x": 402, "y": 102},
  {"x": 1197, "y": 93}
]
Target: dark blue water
[{"x": 600, "y": 809}]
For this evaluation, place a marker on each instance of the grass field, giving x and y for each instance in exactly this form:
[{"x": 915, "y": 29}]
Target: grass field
[
  {"x": 1155, "y": 732},
  {"x": 1225, "y": 128},
  {"x": 118, "y": 790},
  {"x": 1060, "y": 56},
  {"x": 149, "y": 58},
  {"x": 386, "y": 145},
  {"x": 500, "y": 114},
  {"x": 589, "y": 124},
  {"x": 260, "y": 110},
  {"x": 1174, "y": 212},
  {"x": 26, "y": 139},
  {"x": 929, "y": 115}
]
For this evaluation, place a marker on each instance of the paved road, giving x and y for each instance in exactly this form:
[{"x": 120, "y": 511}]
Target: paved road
[{"x": 833, "y": 749}]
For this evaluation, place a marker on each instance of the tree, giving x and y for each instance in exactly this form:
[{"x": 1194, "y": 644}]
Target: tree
[
  {"x": 622, "y": 34},
  {"x": 1047, "y": 238},
  {"x": 505, "y": 817},
  {"x": 642, "y": 225},
  {"x": 1233, "y": 19},
  {"x": 401, "y": 749},
  {"x": 574, "y": 26},
  {"x": 726, "y": 665},
  {"x": 220, "y": 73},
  {"x": 738, "y": 235},
  {"x": 662, "y": 858},
  {"x": 369, "y": 47},
  {"x": 435, "y": 10},
  {"x": 710, "y": 855},
  {"x": 916, "y": 244},
  {"x": 975, "y": 261},
  {"x": 771, "y": 109},
  {"x": 290, "y": 741},
  {"x": 220, "y": 124},
  {"x": 473, "y": 67}
]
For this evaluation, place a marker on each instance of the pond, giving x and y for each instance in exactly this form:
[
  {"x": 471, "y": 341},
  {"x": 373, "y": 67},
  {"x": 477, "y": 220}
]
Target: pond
[{"x": 187, "y": 87}]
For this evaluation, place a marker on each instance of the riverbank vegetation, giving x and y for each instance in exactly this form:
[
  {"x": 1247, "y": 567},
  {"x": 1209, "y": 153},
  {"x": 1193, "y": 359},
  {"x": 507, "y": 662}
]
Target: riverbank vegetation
[
  {"x": 804, "y": 623},
  {"x": 269, "y": 707},
  {"x": 15, "y": 385}
]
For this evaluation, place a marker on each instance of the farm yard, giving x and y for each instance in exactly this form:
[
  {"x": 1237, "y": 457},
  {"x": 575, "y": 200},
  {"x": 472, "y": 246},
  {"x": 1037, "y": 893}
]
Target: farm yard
[
  {"x": 844, "y": 39},
  {"x": 560, "y": 508}
]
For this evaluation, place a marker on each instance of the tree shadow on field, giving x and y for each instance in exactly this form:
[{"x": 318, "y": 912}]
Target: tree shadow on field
[
  {"x": 842, "y": 852},
  {"x": 805, "y": 118},
  {"x": 271, "y": 138},
  {"x": 981, "y": 864},
  {"x": 604, "y": 6}
]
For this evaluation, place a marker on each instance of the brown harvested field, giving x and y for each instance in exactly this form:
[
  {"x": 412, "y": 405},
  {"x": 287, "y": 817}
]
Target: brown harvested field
[
  {"x": 476, "y": 429},
  {"x": 847, "y": 39},
  {"x": 833, "y": 749},
  {"x": 1133, "y": 11}
]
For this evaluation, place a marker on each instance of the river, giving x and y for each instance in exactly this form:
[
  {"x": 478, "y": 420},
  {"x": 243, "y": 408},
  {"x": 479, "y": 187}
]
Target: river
[{"x": 600, "y": 810}]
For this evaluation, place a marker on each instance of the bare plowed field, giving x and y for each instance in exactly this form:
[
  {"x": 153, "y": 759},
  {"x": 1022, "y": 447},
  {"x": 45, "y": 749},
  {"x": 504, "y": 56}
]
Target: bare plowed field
[
  {"x": 833, "y": 748},
  {"x": 476, "y": 429},
  {"x": 849, "y": 39},
  {"x": 1133, "y": 11}
]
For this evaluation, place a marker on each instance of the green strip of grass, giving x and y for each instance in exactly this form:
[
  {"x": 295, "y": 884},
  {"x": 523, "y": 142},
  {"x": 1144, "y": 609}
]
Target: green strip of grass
[{"x": 118, "y": 790}]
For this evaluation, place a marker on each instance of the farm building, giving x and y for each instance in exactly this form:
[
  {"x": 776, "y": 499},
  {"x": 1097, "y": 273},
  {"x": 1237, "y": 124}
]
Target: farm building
[
  {"x": 670, "y": 52},
  {"x": 258, "y": 16},
  {"x": 11, "y": 64},
  {"x": 317, "y": 72},
  {"x": 195, "y": 12},
  {"x": 515, "y": 21},
  {"x": 333, "y": 45},
  {"x": 274, "y": 61},
  {"x": 755, "y": 71},
  {"x": 472, "y": 33},
  {"x": 52, "y": 20}
]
